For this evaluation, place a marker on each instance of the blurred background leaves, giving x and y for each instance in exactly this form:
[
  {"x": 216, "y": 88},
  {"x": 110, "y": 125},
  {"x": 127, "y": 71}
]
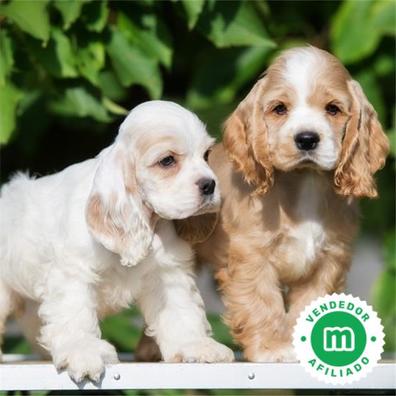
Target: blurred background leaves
[{"x": 70, "y": 70}]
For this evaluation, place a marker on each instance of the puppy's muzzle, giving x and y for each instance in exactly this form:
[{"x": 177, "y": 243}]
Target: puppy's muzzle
[{"x": 306, "y": 140}]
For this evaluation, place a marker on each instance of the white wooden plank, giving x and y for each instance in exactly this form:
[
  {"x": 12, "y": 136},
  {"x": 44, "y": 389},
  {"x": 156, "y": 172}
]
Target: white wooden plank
[{"x": 43, "y": 376}]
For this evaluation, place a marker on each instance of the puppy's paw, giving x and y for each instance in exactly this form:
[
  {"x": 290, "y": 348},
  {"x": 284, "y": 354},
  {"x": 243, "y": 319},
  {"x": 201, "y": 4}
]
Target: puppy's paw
[
  {"x": 205, "y": 350},
  {"x": 281, "y": 354},
  {"x": 86, "y": 359}
]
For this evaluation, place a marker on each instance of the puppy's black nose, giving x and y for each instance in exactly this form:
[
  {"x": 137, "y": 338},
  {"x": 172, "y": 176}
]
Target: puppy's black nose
[
  {"x": 307, "y": 140},
  {"x": 206, "y": 186}
]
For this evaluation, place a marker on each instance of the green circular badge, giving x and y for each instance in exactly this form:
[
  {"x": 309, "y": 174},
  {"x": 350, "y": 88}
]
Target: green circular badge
[{"x": 338, "y": 338}]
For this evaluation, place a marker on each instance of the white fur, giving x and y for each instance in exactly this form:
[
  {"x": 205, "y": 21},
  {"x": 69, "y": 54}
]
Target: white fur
[
  {"x": 301, "y": 66},
  {"x": 309, "y": 231},
  {"x": 72, "y": 269}
]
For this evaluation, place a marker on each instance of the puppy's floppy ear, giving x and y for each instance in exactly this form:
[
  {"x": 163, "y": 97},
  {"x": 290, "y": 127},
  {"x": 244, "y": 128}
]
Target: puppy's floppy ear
[
  {"x": 364, "y": 149},
  {"x": 115, "y": 213},
  {"x": 245, "y": 140},
  {"x": 196, "y": 229}
]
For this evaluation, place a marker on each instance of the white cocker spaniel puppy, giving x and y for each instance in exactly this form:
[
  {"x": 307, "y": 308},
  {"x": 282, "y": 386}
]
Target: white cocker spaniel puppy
[{"x": 98, "y": 236}]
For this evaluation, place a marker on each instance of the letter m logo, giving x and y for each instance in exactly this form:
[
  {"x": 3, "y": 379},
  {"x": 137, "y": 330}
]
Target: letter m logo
[{"x": 338, "y": 339}]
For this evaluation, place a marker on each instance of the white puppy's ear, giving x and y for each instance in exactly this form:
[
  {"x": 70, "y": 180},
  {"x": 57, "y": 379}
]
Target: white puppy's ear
[{"x": 115, "y": 213}]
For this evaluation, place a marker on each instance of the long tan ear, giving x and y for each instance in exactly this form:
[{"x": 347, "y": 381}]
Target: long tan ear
[
  {"x": 364, "y": 149},
  {"x": 196, "y": 229},
  {"x": 115, "y": 213},
  {"x": 245, "y": 140}
]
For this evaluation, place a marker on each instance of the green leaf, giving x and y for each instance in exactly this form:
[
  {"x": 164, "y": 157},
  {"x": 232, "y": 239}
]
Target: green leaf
[
  {"x": 79, "y": 102},
  {"x": 372, "y": 89},
  {"x": 114, "y": 107},
  {"x": 120, "y": 330},
  {"x": 384, "y": 65},
  {"x": 17, "y": 345},
  {"x": 193, "y": 9},
  {"x": 384, "y": 16},
  {"x": 221, "y": 74},
  {"x": 132, "y": 66},
  {"x": 64, "y": 54},
  {"x": 110, "y": 86},
  {"x": 392, "y": 141},
  {"x": 6, "y": 56},
  {"x": 220, "y": 331},
  {"x": 90, "y": 58},
  {"x": 58, "y": 57},
  {"x": 9, "y": 99},
  {"x": 390, "y": 250},
  {"x": 358, "y": 27},
  {"x": 234, "y": 23},
  {"x": 95, "y": 15},
  {"x": 149, "y": 34},
  {"x": 70, "y": 11},
  {"x": 384, "y": 295},
  {"x": 30, "y": 16}
]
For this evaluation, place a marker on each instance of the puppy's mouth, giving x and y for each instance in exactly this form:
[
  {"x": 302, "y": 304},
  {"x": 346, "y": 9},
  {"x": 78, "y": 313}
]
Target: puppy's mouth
[
  {"x": 308, "y": 162},
  {"x": 208, "y": 205}
]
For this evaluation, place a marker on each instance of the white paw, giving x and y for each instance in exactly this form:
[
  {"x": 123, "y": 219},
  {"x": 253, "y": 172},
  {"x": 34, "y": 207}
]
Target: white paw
[
  {"x": 283, "y": 354},
  {"x": 86, "y": 358},
  {"x": 205, "y": 350}
]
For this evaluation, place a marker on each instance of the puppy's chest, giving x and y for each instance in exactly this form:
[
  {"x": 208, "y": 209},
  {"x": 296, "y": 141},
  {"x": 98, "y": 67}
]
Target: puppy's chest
[
  {"x": 118, "y": 289},
  {"x": 308, "y": 238},
  {"x": 304, "y": 233}
]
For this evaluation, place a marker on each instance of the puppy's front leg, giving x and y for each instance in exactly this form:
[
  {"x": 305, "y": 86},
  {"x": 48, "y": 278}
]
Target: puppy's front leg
[
  {"x": 175, "y": 317},
  {"x": 329, "y": 277},
  {"x": 254, "y": 303},
  {"x": 70, "y": 327}
]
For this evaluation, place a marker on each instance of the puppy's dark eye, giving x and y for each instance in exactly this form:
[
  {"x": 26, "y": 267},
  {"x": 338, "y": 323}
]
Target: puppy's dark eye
[
  {"x": 206, "y": 155},
  {"x": 280, "y": 109},
  {"x": 332, "y": 109},
  {"x": 167, "y": 161}
]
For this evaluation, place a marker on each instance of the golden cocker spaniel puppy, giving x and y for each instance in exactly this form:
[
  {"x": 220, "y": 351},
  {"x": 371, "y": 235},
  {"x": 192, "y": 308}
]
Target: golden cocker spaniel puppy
[{"x": 296, "y": 154}]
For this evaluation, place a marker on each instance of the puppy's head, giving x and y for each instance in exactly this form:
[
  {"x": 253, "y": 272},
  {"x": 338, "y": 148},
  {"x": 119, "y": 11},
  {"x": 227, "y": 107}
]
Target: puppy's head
[
  {"x": 307, "y": 112},
  {"x": 171, "y": 147},
  {"x": 156, "y": 168}
]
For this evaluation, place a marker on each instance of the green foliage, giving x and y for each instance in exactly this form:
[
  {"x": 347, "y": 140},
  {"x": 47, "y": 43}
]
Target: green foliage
[
  {"x": 122, "y": 331},
  {"x": 229, "y": 24},
  {"x": 350, "y": 41},
  {"x": 132, "y": 66},
  {"x": 384, "y": 292},
  {"x": 70, "y": 11},
  {"x": 71, "y": 50},
  {"x": 6, "y": 58},
  {"x": 9, "y": 98},
  {"x": 192, "y": 10},
  {"x": 221, "y": 75},
  {"x": 31, "y": 17}
]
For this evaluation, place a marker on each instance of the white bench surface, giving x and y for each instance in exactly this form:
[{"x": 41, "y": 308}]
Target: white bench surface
[{"x": 38, "y": 375}]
